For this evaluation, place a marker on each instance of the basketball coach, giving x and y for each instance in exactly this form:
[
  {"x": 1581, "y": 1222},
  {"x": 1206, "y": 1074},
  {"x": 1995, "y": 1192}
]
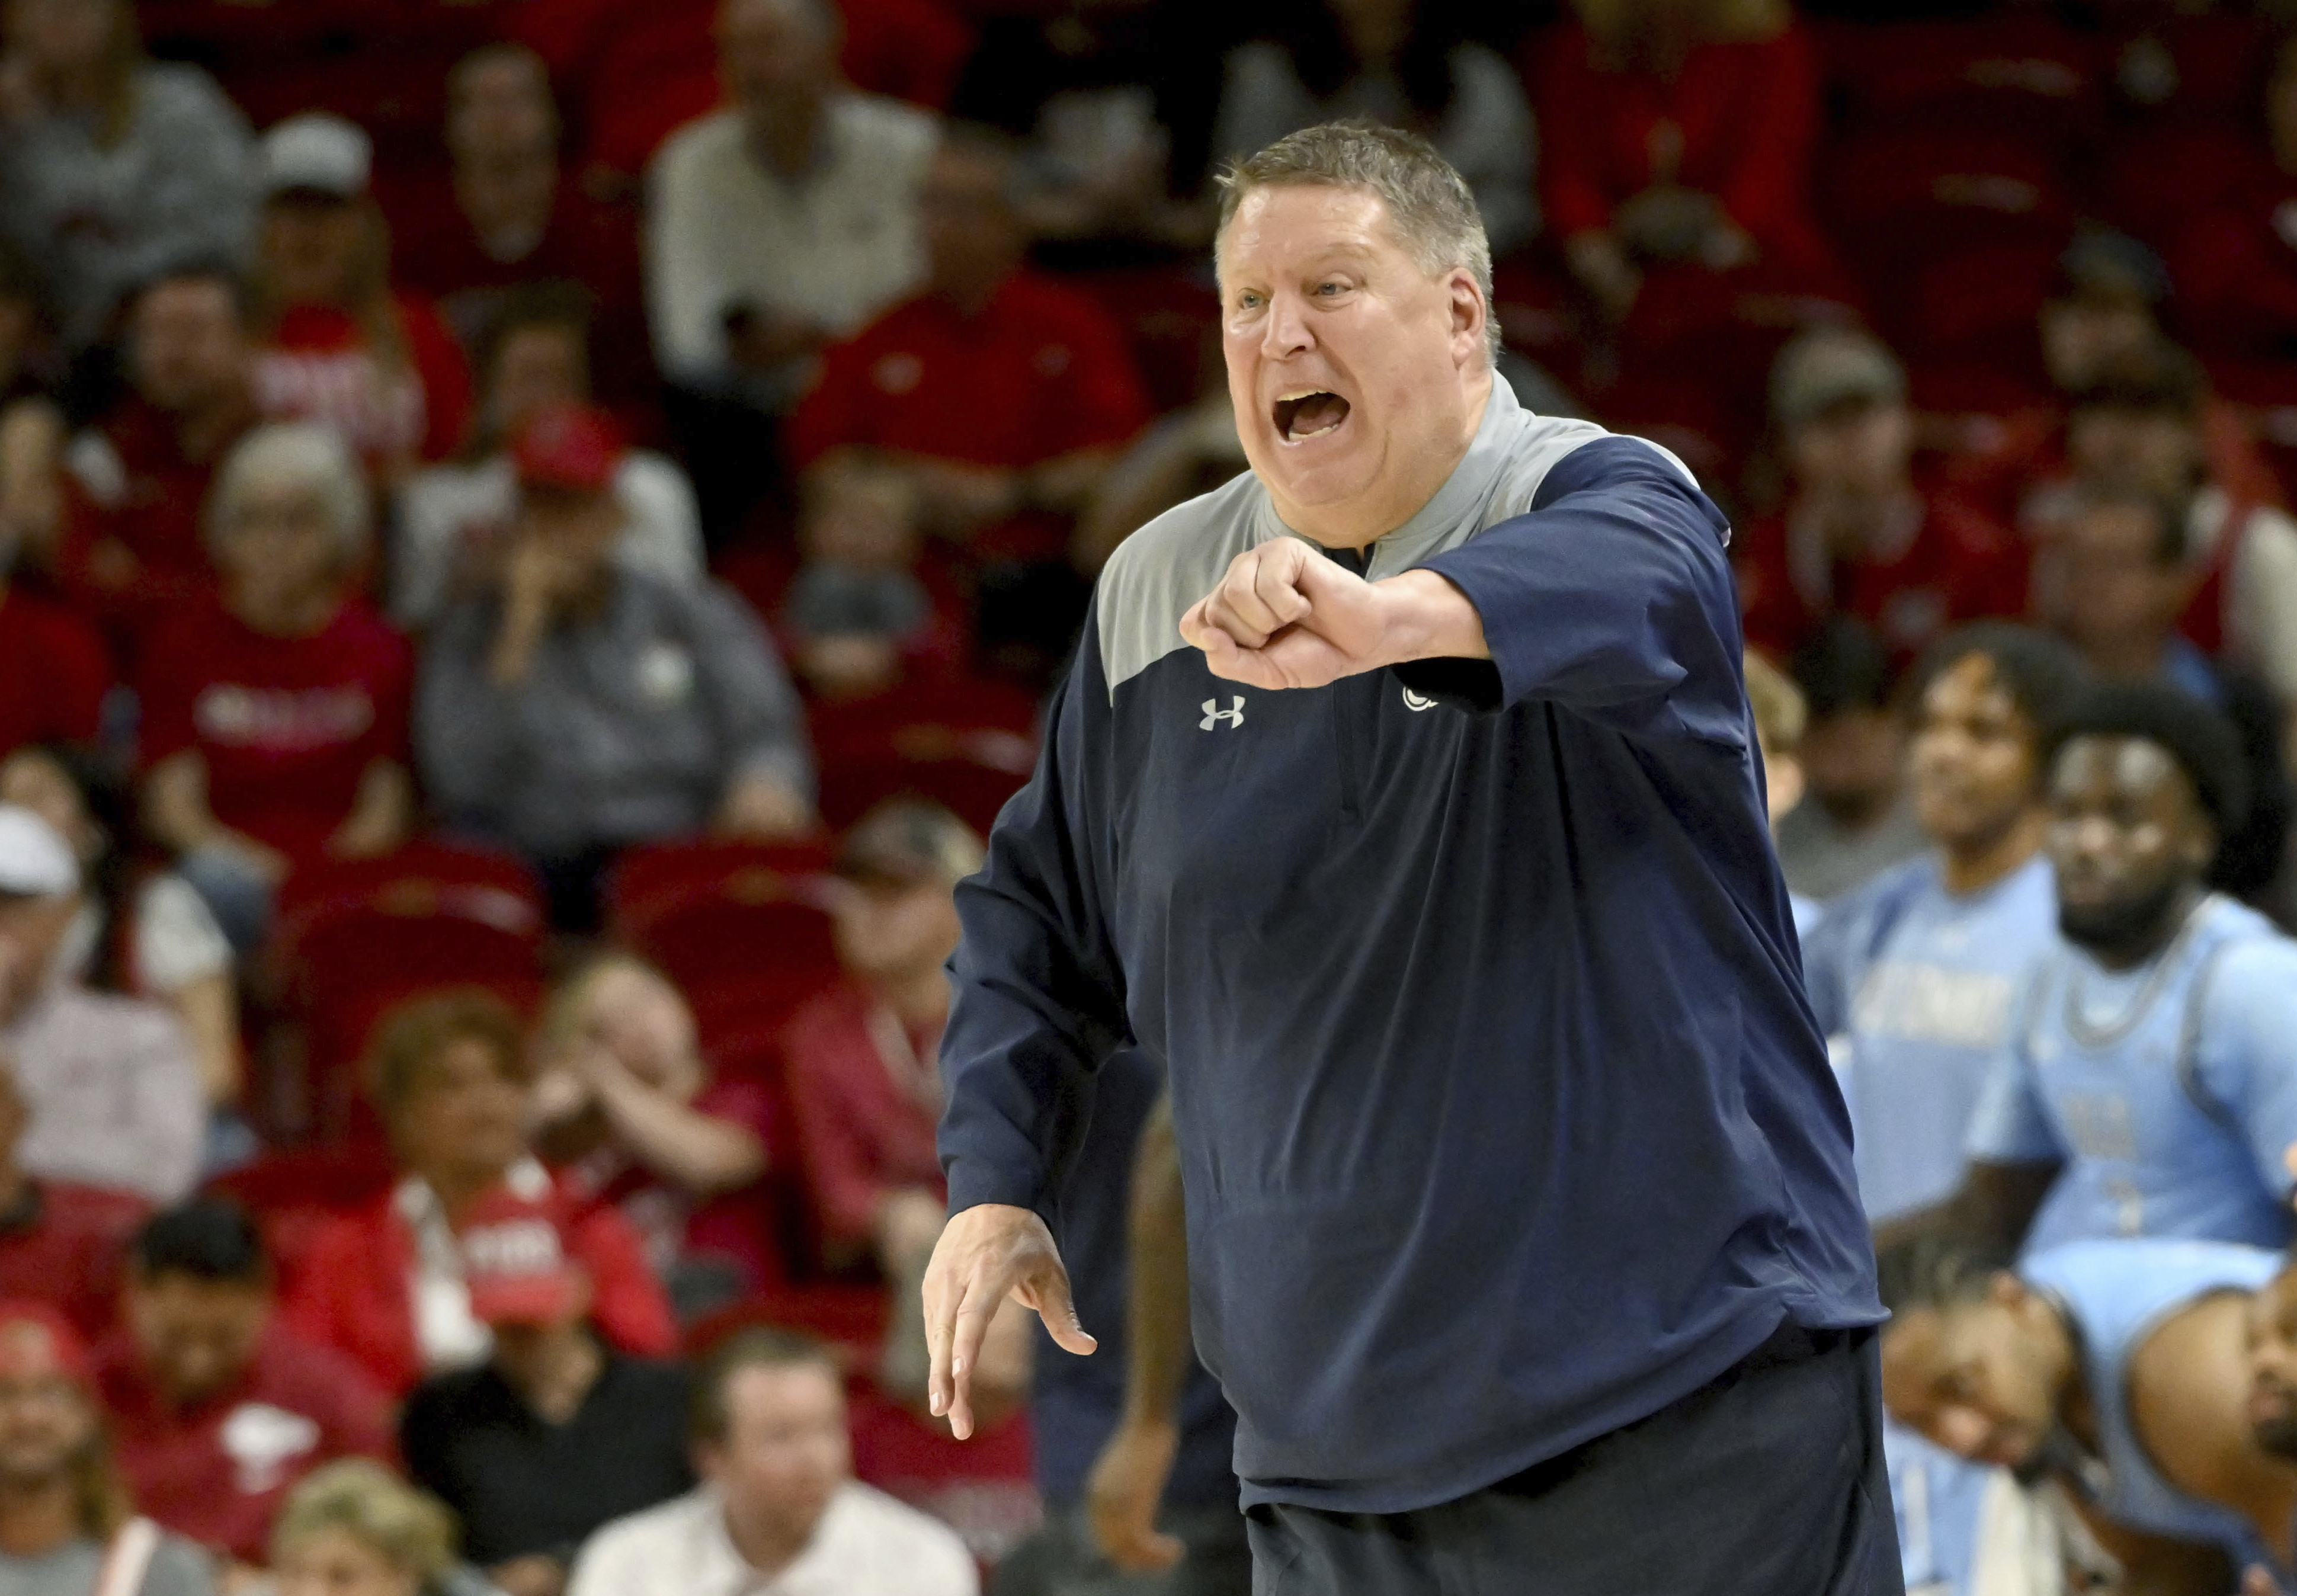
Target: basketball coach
[{"x": 1403, "y": 801}]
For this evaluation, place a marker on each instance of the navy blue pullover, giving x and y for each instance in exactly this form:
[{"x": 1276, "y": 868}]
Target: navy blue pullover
[{"x": 1503, "y": 1119}]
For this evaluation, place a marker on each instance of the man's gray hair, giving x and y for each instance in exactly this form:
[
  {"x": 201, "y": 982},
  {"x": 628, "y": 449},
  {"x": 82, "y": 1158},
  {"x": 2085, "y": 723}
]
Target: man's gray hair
[
  {"x": 303, "y": 454},
  {"x": 1429, "y": 205}
]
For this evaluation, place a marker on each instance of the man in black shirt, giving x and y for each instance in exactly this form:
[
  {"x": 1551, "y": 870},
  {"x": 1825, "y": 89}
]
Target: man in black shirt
[{"x": 556, "y": 1433}]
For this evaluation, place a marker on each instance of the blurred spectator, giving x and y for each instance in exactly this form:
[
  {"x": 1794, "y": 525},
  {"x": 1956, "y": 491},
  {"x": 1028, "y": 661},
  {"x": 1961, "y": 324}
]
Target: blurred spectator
[
  {"x": 111, "y": 1082},
  {"x": 579, "y": 707},
  {"x": 780, "y": 1507},
  {"x": 1394, "y": 61},
  {"x": 71, "y": 1525},
  {"x": 784, "y": 221},
  {"x": 340, "y": 344},
  {"x": 32, "y": 426},
  {"x": 2140, "y": 427},
  {"x": 1001, "y": 395},
  {"x": 508, "y": 219},
  {"x": 1921, "y": 967},
  {"x": 1678, "y": 138},
  {"x": 555, "y": 1434},
  {"x": 2102, "y": 314},
  {"x": 1860, "y": 534},
  {"x": 54, "y": 671},
  {"x": 1116, "y": 99},
  {"x": 1181, "y": 455},
  {"x": 2121, "y": 553},
  {"x": 354, "y": 1528},
  {"x": 111, "y": 166},
  {"x": 858, "y": 617},
  {"x": 448, "y": 1074},
  {"x": 61, "y": 1243},
  {"x": 862, "y": 1059},
  {"x": 1855, "y": 821},
  {"x": 275, "y": 722},
  {"x": 453, "y": 517},
  {"x": 627, "y": 1108},
  {"x": 151, "y": 935},
  {"x": 1781, "y": 712},
  {"x": 218, "y": 1411},
  {"x": 135, "y": 481}
]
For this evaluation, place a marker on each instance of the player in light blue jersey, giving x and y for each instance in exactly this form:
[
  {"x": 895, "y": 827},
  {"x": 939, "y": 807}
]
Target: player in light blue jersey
[
  {"x": 2150, "y": 1087},
  {"x": 2118, "y": 1368},
  {"x": 1914, "y": 975}
]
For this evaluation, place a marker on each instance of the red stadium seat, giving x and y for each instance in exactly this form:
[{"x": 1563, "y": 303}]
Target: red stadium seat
[
  {"x": 968, "y": 745},
  {"x": 743, "y": 928},
  {"x": 851, "y": 1317},
  {"x": 293, "y": 1194},
  {"x": 2020, "y": 72},
  {"x": 355, "y": 939}
]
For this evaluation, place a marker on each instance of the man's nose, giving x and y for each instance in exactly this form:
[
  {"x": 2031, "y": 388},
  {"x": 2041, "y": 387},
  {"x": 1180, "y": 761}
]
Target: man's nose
[{"x": 1288, "y": 328}]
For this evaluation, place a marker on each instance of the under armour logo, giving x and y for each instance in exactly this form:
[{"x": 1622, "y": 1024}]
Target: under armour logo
[
  {"x": 1214, "y": 715},
  {"x": 1413, "y": 701}
]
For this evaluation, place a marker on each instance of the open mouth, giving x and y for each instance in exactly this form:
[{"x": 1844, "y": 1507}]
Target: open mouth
[{"x": 1308, "y": 414}]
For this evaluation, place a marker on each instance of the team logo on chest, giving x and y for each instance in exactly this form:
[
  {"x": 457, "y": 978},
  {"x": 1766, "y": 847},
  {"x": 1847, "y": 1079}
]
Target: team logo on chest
[
  {"x": 1415, "y": 703},
  {"x": 1214, "y": 715}
]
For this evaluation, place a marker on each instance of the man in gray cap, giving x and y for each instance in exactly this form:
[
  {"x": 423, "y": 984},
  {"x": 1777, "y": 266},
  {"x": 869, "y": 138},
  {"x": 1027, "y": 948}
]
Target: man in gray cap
[
  {"x": 110, "y": 1082},
  {"x": 1859, "y": 534}
]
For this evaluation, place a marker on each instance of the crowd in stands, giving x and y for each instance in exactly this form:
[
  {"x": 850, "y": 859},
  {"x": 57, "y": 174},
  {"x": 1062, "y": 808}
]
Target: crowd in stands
[{"x": 532, "y": 535}]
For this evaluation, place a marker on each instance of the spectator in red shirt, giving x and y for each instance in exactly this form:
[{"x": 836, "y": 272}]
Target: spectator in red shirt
[
  {"x": 626, "y": 1109},
  {"x": 1002, "y": 396},
  {"x": 274, "y": 726},
  {"x": 1860, "y": 534},
  {"x": 54, "y": 670},
  {"x": 450, "y": 1077},
  {"x": 217, "y": 1410},
  {"x": 507, "y": 216},
  {"x": 341, "y": 345},
  {"x": 134, "y": 483},
  {"x": 61, "y": 1242}
]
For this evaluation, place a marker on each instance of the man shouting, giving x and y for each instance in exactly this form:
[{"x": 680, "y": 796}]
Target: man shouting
[{"x": 1404, "y": 803}]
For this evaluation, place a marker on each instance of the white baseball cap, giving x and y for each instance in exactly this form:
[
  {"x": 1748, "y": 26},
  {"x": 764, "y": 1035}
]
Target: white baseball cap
[
  {"x": 34, "y": 859},
  {"x": 319, "y": 153}
]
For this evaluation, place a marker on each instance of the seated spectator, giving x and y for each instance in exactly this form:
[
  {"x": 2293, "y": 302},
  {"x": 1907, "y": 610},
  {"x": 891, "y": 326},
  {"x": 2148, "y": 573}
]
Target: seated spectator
[
  {"x": 448, "y": 1075},
  {"x": 129, "y": 545},
  {"x": 858, "y": 617},
  {"x": 1678, "y": 138},
  {"x": 555, "y": 1434},
  {"x": 354, "y": 1528},
  {"x": 781, "y": 1507},
  {"x": 2122, "y": 554},
  {"x": 274, "y": 722},
  {"x": 2140, "y": 427},
  {"x": 113, "y": 166},
  {"x": 1855, "y": 821},
  {"x": 32, "y": 426},
  {"x": 1394, "y": 61},
  {"x": 111, "y": 1082},
  {"x": 1860, "y": 534},
  {"x": 576, "y": 707},
  {"x": 54, "y": 670},
  {"x": 1181, "y": 455},
  {"x": 61, "y": 1242},
  {"x": 861, "y": 1059},
  {"x": 341, "y": 345},
  {"x": 218, "y": 1411},
  {"x": 453, "y": 517},
  {"x": 72, "y": 1527},
  {"x": 627, "y": 1110},
  {"x": 1118, "y": 105},
  {"x": 507, "y": 219},
  {"x": 153, "y": 937},
  {"x": 2103, "y": 314},
  {"x": 1001, "y": 395},
  {"x": 1781, "y": 714},
  {"x": 784, "y": 221}
]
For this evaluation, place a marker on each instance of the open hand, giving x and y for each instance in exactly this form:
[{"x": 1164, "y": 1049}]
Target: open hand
[{"x": 986, "y": 1254}]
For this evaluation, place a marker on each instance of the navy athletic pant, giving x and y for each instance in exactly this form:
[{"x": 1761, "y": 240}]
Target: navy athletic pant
[{"x": 1768, "y": 1482}]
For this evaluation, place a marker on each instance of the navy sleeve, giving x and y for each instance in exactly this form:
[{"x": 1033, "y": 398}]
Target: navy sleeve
[
  {"x": 1611, "y": 598},
  {"x": 1038, "y": 998}
]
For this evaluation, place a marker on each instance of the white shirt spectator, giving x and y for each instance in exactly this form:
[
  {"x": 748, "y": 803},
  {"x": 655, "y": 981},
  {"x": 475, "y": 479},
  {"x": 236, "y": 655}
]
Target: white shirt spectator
[
  {"x": 836, "y": 247},
  {"x": 867, "y": 1544},
  {"x": 2261, "y": 587},
  {"x": 114, "y": 1091},
  {"x": 445, "y": 510},
  {"x": 174, "y": 942}
]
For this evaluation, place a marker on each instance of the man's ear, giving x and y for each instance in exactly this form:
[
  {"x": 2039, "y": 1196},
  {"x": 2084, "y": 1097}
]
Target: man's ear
[{"x": 1469, "y": 314}]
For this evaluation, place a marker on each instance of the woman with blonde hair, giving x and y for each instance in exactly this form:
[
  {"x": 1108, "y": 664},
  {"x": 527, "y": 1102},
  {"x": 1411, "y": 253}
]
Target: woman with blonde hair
[
  {"x": 113, "y": 166},
  {"x": 341, "y": 344},
  {"x": 354, "y": 1528}
]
